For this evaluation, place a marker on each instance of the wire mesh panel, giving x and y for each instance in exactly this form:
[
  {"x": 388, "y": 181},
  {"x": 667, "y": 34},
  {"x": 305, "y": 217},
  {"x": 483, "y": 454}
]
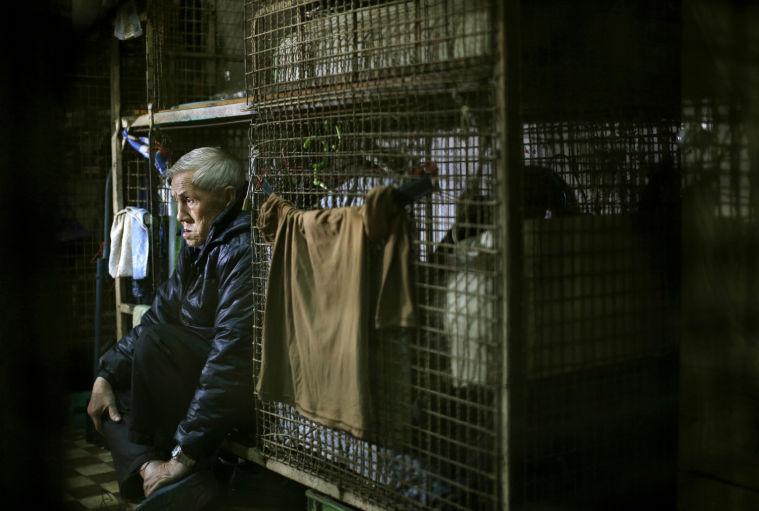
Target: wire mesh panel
[
  {"x": 602, "y": 267},
  {"x": 83, "y": 167},
  {"x": 137, "y": 182},
  {"x": 142, "y": 189},
  {"x": 195, "y": 51},
  {"x": 717, "y": 155},
  {"x": 133, "y": 87},
  {"x": 309, "y": 45},
  {"x": 602, "y": 279},
  {"x": 349, "y": 96}
]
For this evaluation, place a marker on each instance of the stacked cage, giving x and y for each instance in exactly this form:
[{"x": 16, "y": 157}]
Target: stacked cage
[
  {"x": 195, "y": 51},
  {"x": 350, "y": 95},
  {"x": 353, "y": 95}
]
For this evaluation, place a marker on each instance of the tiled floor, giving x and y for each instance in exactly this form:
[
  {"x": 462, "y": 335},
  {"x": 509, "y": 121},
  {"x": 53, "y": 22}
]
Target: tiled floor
[
  {"x": 91, "y": 483},
  {"x": 90, "y": 477}
]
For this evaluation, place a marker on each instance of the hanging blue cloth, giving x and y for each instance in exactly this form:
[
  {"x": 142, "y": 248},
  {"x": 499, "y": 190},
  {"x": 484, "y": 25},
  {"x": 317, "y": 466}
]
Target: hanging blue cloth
[{"x": 142, "y": 144}]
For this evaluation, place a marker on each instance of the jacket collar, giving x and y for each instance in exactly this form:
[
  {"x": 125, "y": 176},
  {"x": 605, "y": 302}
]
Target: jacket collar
[{"x": 230, "y": 221}]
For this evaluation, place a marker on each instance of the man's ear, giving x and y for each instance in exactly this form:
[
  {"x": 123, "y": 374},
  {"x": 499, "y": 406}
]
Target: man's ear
[{"x": 230, "y": 194}]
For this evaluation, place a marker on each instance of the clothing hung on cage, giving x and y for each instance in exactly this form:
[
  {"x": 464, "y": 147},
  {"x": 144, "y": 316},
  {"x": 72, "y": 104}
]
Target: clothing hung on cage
[
  {"x": 316, "y": 326},
  {"x": 129, "y": 244},
  {"x": 469, "y": 315}
]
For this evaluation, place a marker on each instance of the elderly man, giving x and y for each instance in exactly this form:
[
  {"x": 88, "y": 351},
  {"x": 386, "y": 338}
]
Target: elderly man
[{"x": 168, "y": 391}]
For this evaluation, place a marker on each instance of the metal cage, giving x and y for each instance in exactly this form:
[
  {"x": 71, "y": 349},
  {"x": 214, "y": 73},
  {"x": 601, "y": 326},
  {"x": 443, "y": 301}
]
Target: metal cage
[
  {"x": 353, "y": 94},
  {"x": 195, "y": 51}
]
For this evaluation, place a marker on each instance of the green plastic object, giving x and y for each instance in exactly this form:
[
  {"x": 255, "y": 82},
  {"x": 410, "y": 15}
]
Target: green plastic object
[{"x": 316, "y": 501}]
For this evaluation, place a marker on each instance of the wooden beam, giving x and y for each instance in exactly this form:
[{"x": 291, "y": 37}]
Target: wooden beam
[
  {"x": 321, "y": 485},
  {"x": 206, "y": 111},
  {"x": 254, "y": 455},
  {"x": 116, "y": 162}
]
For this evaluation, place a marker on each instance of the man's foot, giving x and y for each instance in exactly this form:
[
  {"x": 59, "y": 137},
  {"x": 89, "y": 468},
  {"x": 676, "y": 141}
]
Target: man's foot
[
  {"x": 145, "y": 466},
  {"x": 191, "y": 493}
]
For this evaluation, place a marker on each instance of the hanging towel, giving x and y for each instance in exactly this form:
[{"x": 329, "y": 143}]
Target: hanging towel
[
  {"x": 129, "y": 244},
  {"x": 317, "y": 317},
  {"x": 469, "y": 316}
]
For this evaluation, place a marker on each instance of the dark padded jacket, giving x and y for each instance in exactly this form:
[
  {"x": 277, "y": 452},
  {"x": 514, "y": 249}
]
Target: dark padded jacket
[{"x": 211, "y": 293}]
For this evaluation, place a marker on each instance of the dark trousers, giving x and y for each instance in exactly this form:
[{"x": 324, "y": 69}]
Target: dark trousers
[{"x": 166, "y": 367}]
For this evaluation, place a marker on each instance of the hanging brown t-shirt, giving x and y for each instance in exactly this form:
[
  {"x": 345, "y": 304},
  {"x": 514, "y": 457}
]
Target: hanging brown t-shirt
[{"x": 317, "y": 318}]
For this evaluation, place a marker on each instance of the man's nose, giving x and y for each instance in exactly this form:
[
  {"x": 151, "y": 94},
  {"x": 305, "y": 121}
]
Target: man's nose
[{"x": 182, "y": 214}]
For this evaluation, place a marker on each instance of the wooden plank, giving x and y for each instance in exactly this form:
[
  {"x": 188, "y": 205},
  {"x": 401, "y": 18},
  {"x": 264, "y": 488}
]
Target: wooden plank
[
  {"x": 321, "y": 485},
  {"x": 254, "y": 455},
  {"x": 116, "y": 162},
  {"x": 204, "y": 104},
  {"x": 227, "y": 110},
  {"x": 245, "y": 452}
]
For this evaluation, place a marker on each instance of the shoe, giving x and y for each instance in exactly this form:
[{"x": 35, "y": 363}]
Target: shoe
[{"x": 193, "y": 492}]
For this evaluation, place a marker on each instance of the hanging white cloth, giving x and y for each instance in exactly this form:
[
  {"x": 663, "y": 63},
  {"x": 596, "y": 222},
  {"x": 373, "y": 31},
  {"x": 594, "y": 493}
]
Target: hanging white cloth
[
  {"x": 469, "y": 317},
  {"x": 129, "y": 244}
]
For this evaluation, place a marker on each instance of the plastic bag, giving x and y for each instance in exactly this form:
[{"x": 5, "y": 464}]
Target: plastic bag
[{"x": 127, "y": 23}]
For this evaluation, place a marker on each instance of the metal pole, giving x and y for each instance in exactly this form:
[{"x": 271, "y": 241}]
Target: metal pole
[
  {"x": 172, "y": 234},
  {"x": 102, "y": 269},
  {"x": 510, "y": 220}
]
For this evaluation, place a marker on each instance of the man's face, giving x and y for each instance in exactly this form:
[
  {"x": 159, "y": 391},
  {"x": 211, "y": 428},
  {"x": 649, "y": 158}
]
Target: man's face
[{"x": 196, "y": 209}]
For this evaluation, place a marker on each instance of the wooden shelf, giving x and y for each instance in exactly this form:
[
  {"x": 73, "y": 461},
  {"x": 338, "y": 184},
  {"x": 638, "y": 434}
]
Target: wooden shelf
[{"x": 204, "y": 112}]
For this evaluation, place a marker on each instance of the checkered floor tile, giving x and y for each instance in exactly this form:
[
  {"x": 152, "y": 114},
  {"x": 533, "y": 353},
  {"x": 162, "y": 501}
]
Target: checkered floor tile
[{"x": 90, "y": 477}]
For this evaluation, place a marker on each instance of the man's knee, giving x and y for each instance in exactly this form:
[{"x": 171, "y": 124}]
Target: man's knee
[{"x": 150, "y": 345}]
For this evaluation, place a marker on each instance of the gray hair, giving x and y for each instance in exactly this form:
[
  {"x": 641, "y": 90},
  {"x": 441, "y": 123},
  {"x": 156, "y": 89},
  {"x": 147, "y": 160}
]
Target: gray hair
[{"x": 213, "y": 169}]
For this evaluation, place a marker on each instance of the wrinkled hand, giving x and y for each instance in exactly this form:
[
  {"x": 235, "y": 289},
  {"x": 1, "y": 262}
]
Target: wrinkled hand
[
  {"x": 158, "y": 473},
  {"x": 102, "y": 400}
]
